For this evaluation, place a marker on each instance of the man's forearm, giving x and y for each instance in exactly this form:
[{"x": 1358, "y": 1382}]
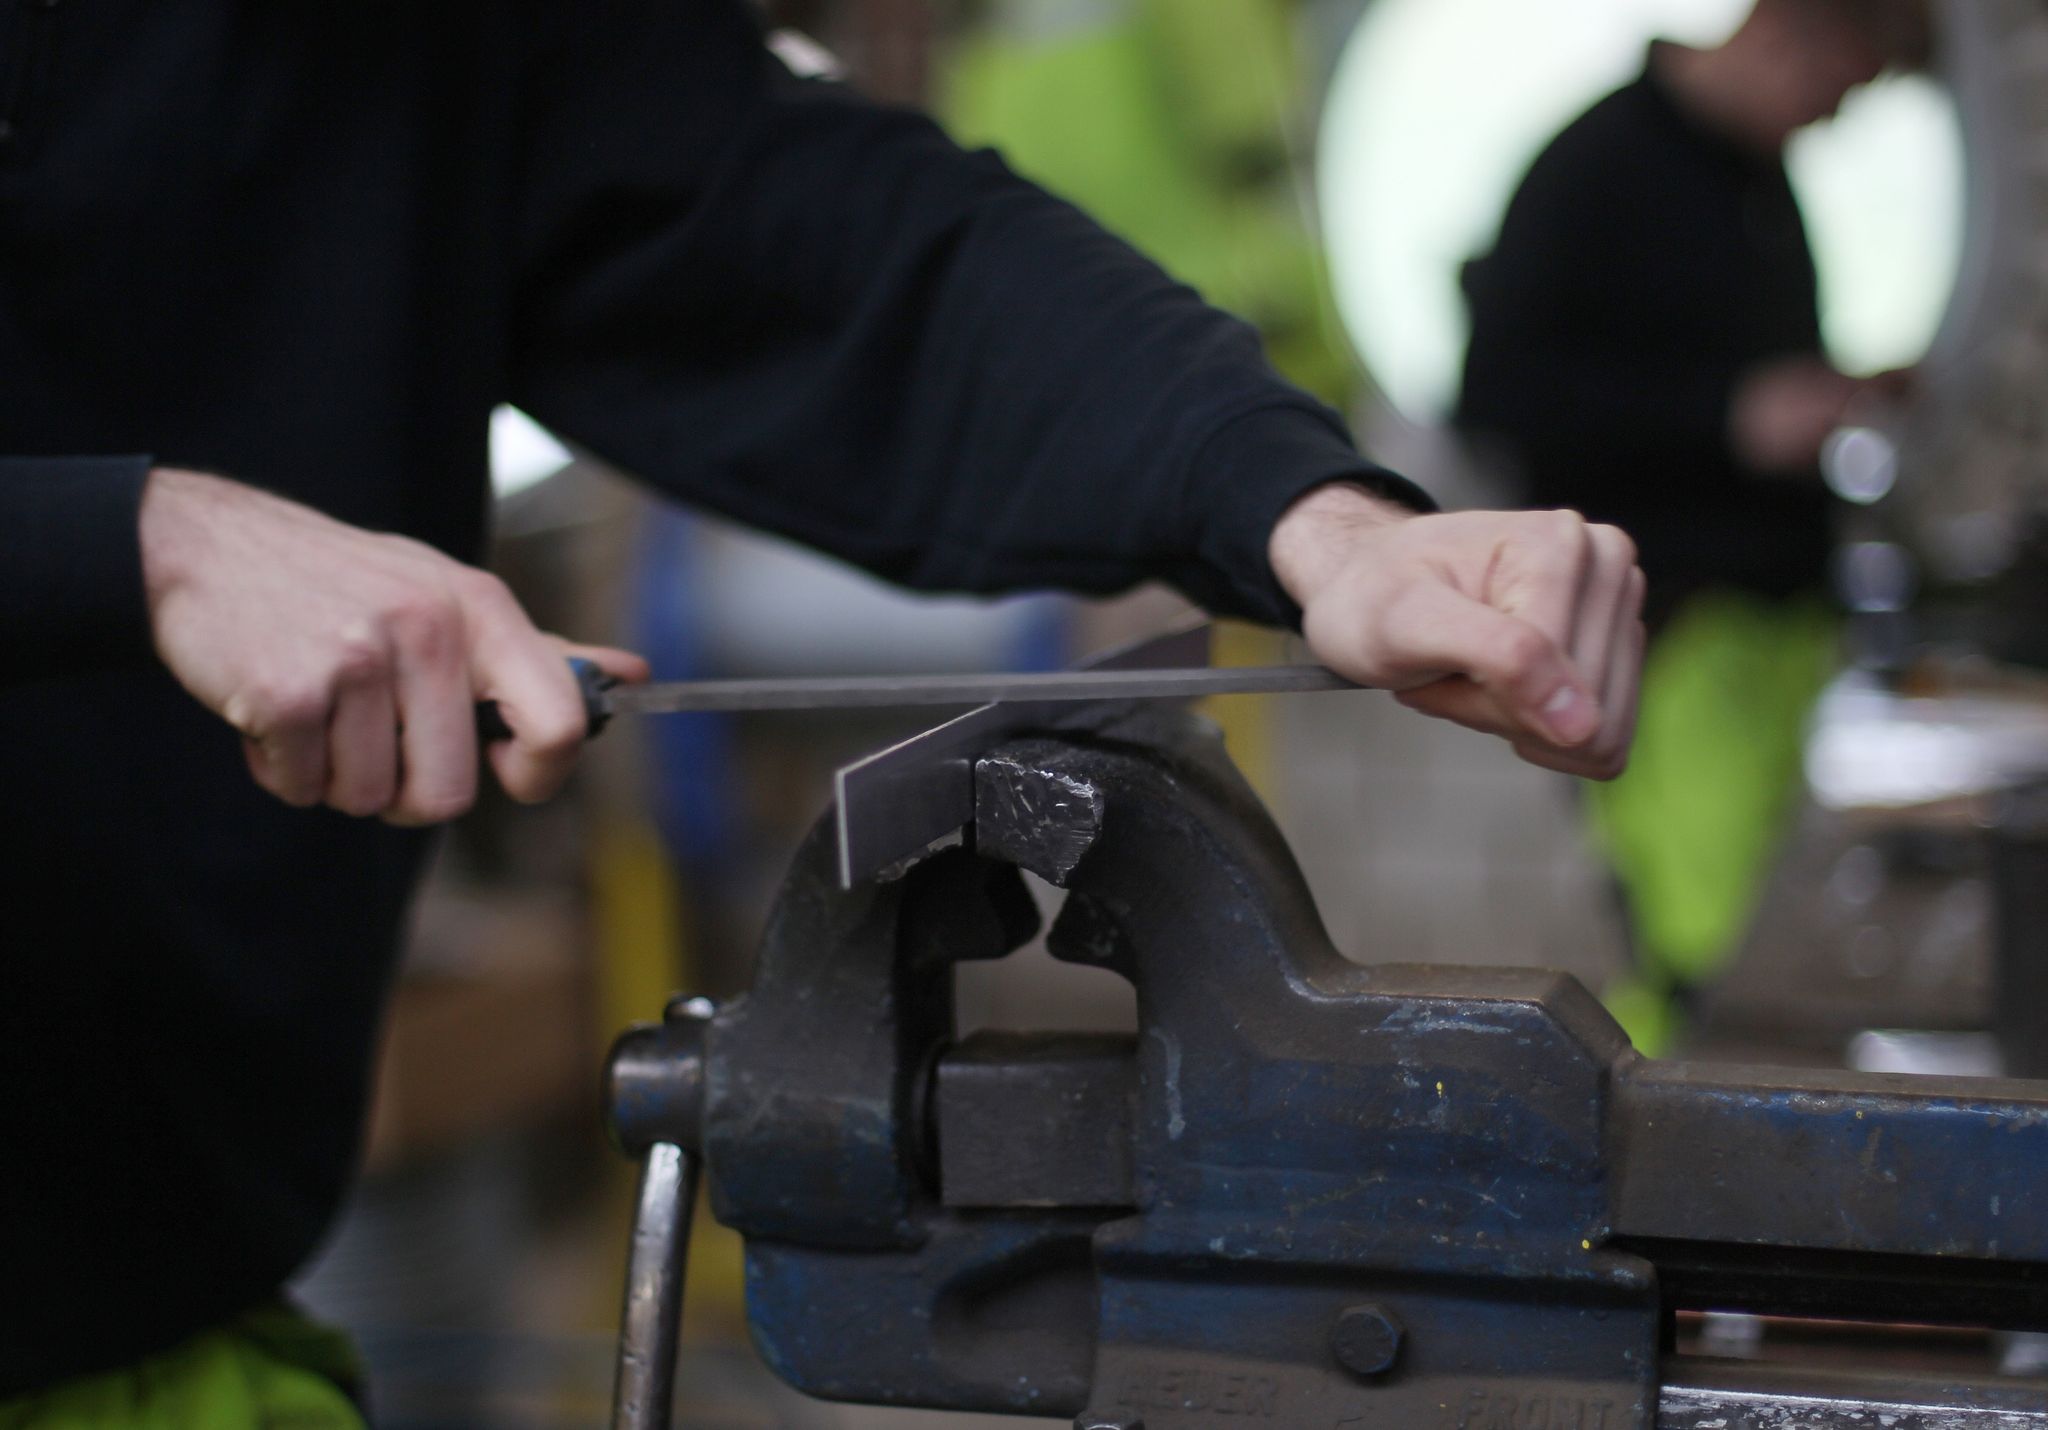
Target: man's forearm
[{"x": 825, "y": 319}]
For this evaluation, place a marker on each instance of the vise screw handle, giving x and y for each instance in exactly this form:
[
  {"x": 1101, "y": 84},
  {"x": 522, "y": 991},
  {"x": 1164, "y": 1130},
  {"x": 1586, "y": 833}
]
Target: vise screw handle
[
  {"x": 654, "y": 1084},
  {"x": 645, "y": 1386}
]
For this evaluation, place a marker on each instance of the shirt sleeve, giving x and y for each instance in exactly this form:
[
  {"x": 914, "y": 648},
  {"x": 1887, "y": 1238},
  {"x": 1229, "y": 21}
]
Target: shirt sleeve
[
  {"x": 71, "y": 594},
  {"x": 822, "y": 317}
]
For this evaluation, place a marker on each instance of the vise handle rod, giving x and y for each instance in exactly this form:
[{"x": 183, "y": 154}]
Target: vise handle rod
[{"x": 655, "y": 1098}]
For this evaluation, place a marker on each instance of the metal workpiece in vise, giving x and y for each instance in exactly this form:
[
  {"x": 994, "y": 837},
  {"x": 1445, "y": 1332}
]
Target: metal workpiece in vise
[{"x": 1307, "y": 1192}]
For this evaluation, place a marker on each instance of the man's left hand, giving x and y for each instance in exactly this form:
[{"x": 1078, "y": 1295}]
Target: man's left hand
[{"x": 1525, "y": 625}]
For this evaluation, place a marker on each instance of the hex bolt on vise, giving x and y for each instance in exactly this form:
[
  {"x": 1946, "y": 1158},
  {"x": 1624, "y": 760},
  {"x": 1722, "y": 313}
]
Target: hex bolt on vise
[{"x": 1308, "y": 1192}]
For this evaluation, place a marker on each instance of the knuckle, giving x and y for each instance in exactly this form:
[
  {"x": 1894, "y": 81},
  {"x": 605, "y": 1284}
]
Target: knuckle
[
  {"x": 425, "y": 623},
  {"x": 412, "y": 550},
  {"x": 482, "y": 588},
  {"x": 1616, "y": 545},
  {"x": 1522, "y": 651},
  {"x": 301, "y": 707},
  {"x": 557, "y": 737},
  {"x": 277, "y": 703},
  {"x": 1566, "y": 527},
  {"x": 361, "y": 657},
  {"x": 546, "y": 753}
]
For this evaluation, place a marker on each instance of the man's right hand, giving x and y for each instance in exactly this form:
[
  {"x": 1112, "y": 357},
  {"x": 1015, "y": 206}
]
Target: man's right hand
[
  {"x": 1783, "y": 412},
  {"x": 1526, "y": 625},
  {"x": 350, "y": 661}
]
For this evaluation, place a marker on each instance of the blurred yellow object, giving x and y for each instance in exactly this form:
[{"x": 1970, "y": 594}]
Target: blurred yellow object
[
  {"x": 644, "y": 959},
  {"x": 268, "y": 1367},
  {"x": 1247, "y": 720},
  {"x": 637, "y": 906},
  {"x": 1692, "y": 826},
  {"x": 714, "y": 1292},
  {"x": 1173, "y": 123},
  {"x": 1646, "y": 1013}
]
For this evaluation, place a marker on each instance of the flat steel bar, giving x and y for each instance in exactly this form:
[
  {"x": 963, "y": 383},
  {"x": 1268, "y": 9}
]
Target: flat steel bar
[
  {"x": 1869, "y": 1164},
  {"x": 879, "y": 692},
  {"x": 1742, "y": 1395}
]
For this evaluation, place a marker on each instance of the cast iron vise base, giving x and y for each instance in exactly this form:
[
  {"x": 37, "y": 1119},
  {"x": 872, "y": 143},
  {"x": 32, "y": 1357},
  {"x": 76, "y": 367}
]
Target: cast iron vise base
[{"x": 1308, "y": 1192}]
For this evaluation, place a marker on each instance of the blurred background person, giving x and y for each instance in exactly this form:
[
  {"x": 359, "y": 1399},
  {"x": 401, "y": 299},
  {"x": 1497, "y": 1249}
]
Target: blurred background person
[{"x": 1646, "y": 348}]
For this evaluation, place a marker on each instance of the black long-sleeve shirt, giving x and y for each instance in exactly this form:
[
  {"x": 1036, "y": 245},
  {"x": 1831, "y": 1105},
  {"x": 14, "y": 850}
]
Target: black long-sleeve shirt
[
  {"x": 1645, "y": 264},
  {"x": 311, "y": 246}
]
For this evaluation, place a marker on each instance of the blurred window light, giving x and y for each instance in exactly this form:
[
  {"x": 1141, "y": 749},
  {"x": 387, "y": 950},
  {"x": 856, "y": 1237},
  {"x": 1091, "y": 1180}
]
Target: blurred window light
[
  {"x": 523, "y": 453},
  {"x": 1882, "y": 187},
  {"x": 1872, "y": 748},
  {"x": 1438, "y": 107}
]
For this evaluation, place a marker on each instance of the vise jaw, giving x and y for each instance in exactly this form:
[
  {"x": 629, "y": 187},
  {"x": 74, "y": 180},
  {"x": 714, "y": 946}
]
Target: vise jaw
[{"x": 1308, "y": 1192}]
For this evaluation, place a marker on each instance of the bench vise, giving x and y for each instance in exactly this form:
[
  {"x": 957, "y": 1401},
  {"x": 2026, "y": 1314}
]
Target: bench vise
[{"x": 1307, "y": 1192}]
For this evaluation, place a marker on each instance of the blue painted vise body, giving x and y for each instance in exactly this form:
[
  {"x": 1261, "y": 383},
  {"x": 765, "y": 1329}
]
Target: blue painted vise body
[{"x": 1307, "y": 1192}]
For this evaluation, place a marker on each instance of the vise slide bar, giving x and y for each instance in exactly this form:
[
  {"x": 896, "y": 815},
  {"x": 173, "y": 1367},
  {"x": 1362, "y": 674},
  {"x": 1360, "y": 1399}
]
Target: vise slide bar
[{"x": 1307, "y": 1191}]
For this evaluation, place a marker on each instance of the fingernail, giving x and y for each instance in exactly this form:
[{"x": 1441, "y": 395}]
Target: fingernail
[{"x": 1570, "y": 716}]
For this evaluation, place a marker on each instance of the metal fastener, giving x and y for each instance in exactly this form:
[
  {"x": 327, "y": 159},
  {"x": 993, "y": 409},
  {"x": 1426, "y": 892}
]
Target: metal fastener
[{"x": 1367, "y": 1340}]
